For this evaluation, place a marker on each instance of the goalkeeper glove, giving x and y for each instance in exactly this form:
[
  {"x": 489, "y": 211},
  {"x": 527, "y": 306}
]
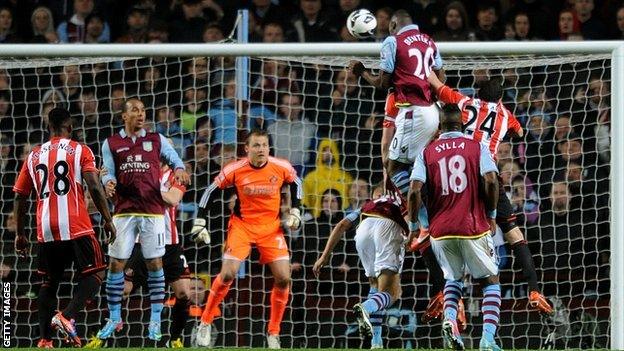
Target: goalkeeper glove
[
  {"x": 293, "y": 219},
  {"x": 200, "y": 232}
]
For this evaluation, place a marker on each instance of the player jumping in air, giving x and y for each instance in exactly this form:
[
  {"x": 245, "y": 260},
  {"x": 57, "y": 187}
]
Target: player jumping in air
[
  {"x": 379, "y": 242},
  {"x": 461, "y": 220},
  {"x": 256, "y": 219},
  {"x": 487, "y": 120},
  {"x": 55, "y": 170}
]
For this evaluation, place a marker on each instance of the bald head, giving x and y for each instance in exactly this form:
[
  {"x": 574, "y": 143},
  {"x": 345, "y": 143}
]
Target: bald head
[
  {"x": 450, "y": 118},
  {"x": 399, "y": 19}
]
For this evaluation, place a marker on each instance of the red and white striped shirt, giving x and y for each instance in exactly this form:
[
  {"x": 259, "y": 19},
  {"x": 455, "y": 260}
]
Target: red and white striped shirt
[
  {"x": 54, "y": 170},
  {"x": 486, "y": 122},
  {"x": 167, "y": 181}
]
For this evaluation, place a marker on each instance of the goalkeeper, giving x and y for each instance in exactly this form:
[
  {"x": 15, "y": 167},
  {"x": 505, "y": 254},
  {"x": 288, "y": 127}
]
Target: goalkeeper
[{"x": 259, "y": 182}]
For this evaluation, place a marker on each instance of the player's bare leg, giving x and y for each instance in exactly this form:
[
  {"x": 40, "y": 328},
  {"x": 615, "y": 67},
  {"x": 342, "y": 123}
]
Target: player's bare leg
[
  {"x": 279, "y": 299},
  {"x": 180, "y": 311},
  {"x": 521, "y": 251},
  {"x": 218, "y": 290}
]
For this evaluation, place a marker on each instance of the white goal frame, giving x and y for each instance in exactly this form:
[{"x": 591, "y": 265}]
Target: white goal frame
[{"x": 615, "y": 48}]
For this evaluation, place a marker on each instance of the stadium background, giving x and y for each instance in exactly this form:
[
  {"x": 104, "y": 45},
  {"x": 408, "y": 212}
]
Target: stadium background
[{"x": 564, "y": 106}]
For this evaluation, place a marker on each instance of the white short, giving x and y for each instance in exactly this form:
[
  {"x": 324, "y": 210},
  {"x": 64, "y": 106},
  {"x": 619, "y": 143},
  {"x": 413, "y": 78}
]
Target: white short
[
  {"x": 379, "y": 243},
  {"x": 454, "y": 255},
  {"x": 151, "y": 232},
  {"x": 415, "y": 127}
]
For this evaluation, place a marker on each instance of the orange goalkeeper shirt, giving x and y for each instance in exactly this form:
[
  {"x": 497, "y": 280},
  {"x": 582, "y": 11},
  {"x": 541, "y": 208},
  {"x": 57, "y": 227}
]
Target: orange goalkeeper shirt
[{"x": 258, "y": 188}]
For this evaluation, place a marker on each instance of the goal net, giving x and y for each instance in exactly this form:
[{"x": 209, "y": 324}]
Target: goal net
[{"x": 557, "y": 178}]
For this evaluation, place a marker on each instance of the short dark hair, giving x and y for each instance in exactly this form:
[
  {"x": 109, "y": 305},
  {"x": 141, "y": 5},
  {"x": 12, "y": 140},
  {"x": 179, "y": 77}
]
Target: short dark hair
[
  {"x": 490, "y": 90},
  {"x": 451, "y": 110},
  {"x": 58, "y": 117},
  {"x": 256, "y": 132}
]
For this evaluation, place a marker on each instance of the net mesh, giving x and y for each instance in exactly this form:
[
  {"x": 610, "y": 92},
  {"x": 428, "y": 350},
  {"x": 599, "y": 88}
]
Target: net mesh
[{"x": 556, "y": 177}]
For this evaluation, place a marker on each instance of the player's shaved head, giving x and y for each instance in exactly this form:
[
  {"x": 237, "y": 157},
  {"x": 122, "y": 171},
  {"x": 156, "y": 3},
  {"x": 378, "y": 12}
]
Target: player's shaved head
[
  {"x": 400, "y": 19},
  {"x": 130, "y": 102},
  {"x": 450, "y": 118},
  {"x": 59, "y": 120}
]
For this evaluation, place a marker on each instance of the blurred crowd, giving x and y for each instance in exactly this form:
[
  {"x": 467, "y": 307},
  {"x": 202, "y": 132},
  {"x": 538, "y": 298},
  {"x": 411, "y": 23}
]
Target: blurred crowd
[
  {"x": 184, "y": 21},
  {"x": 325, "y": 121}
]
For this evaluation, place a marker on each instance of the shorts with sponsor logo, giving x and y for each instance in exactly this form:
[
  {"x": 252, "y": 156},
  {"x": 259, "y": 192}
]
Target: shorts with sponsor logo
[
  {"x": 379, "y": 243},
  {"x": 455, "y": 255},
  {"x": 85, "y": 252},
  {"x": 268, "y": 239},
  {"x": 415, "y": 127},
  {"x": 174, "y": 264},
  {"x": 149, "y": 228}
]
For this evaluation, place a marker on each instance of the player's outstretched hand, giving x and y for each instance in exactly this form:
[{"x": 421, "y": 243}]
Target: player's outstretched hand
[
  {"x": 110, "y": 231},
  {"x": 21, "y": 245},
  {"x": 182, "y": 177},
  {"x": 320, "y": 263},
  {"x": 199, "y": 231},
  {"x": 293, "y": 219},
  {"x": 356, "y": 67}
]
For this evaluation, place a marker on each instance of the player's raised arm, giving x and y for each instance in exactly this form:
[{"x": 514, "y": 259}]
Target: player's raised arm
[{"x": 342, "y": 227}]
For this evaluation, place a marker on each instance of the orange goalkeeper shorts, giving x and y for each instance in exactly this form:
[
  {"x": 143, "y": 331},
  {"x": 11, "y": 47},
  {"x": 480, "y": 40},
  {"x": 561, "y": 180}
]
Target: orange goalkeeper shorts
[{"x": 268, "y": 238}]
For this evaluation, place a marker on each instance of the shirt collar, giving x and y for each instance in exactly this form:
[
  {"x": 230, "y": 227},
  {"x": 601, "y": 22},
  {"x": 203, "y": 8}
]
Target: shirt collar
[
  {"x": 408, "y": 27},
  {"x": 449, "y": 135},
  {"x": 123, "y": 134}
]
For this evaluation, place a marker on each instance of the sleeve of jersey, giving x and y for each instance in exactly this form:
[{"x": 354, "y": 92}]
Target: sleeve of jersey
[
  {"x": 438, "y": 64},
  {"x": 24, "y": 183},
  {"x": 486, "y": 162},
  {"x": 109, "y": 163},
  {"x": 449, "y": 96},
  {"x": 175, "y": 184},
  {"x": 168, "y": 152},
  {"x": 388, "y": 54},
  {"x": 87, "y": 160},
  {"x": 354, "y": 217},
  {"x": 514, "y": 125},
  {"x": 419, "y": 172},
  {"x": 296, "y": 186},
  {"x": 221, "y": 181}
]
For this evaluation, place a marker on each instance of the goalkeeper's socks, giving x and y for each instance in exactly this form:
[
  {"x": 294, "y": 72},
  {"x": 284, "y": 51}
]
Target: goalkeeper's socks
[
  {"x": 279, "y": 299},
  {"x": 452, "y": 295},
  {"x": 179, "y": 316},
  {"x": 523, "y": 254},
  {"x": 156, "y": 285},
  {"x": 375, "y": 319},
  {"x": 114, "y": 292},
  {"x": 218, "y": 291},
  {"x": 377, "y": 302},
  {"x": 402, "y": 182},
  {"x": 490, "y": 308},
  {"x": 86, "y": 289}
]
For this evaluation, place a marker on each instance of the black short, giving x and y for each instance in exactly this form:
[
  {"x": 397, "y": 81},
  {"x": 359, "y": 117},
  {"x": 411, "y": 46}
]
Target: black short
[
  {"x": 505, "y": 215},
  {"x": 174, "y": 265},
  {"x": 85, "y": 252}
]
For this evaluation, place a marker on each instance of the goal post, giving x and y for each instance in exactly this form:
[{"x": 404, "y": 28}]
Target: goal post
[{"x": 35, "y": 55}]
